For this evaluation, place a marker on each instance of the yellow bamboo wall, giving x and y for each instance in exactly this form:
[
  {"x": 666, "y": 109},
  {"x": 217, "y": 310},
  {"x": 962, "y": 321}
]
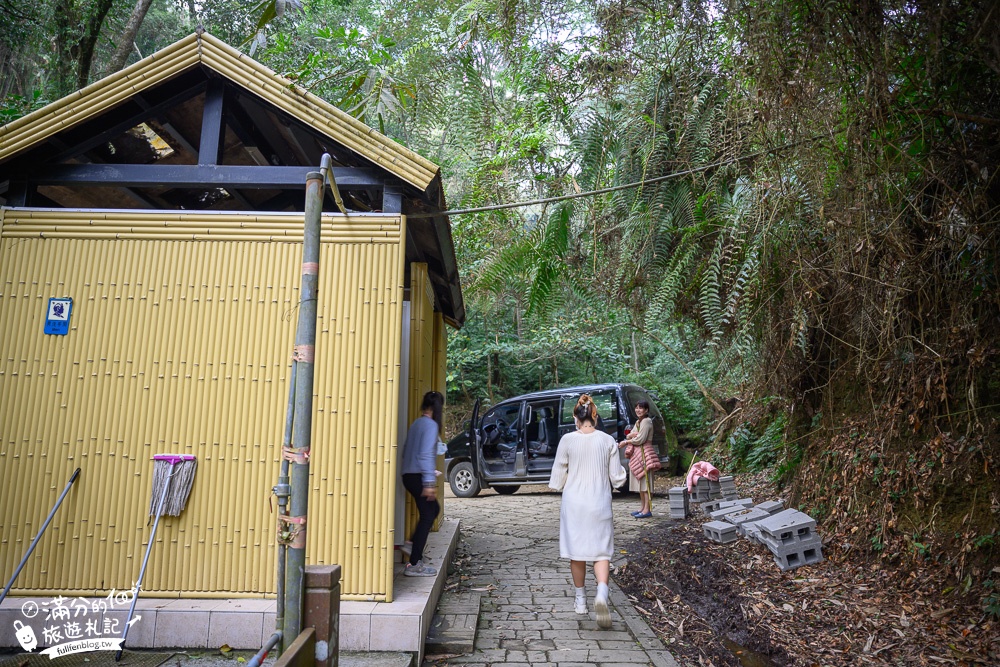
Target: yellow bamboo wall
[
  {"x": 422, "y": 372},
  {"x": 438, "y": 381},
  {"x": 181, "y": 335}
]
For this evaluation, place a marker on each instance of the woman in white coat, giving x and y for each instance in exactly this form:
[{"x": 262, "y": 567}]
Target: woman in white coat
[{"x": 585, "y": 469}]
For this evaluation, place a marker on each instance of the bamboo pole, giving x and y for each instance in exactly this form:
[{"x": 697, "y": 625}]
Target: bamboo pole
[{"x": 305, "y": 346}]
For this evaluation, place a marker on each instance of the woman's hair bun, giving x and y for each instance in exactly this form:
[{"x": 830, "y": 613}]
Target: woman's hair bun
[{"x": 585, "y": 409}]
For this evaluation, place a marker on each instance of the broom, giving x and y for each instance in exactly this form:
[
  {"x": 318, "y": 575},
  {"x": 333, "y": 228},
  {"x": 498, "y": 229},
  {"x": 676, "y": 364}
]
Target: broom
[{"x": 173, "y": 477}]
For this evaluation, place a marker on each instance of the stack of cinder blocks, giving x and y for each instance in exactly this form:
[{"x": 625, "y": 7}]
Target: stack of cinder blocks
[
  {"x": 702, "y": 491},
  {"x": 727, "y": 485},
  {"x": 791, "y": 536},
  {"x": 679, "y": 508}
]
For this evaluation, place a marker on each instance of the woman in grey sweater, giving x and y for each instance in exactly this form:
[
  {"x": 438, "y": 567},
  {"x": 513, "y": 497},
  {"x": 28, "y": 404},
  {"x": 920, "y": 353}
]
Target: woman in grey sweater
[{"x": 420, "y": 477}]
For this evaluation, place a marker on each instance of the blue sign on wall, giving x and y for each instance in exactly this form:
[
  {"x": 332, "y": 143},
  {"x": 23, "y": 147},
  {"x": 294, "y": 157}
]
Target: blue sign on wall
[{"x": 57, "y": 320}]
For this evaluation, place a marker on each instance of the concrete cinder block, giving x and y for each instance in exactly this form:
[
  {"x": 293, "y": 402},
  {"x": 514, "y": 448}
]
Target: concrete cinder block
[
  {"x": 794, "y": 547},
  {"x": 710, "y": 506},
  {"x": 719, "y": 531},
  {"x": 788, "y": 526},
  {"x": 741, "y": 502},
  {"x": 677, "y": 491},
  {"x": 702, "y": 490},
  {"x": 771, "y": 506},
  {"x": 723, "y": 512},
  {"x": 749, "y": 530},
  {"x": 736, "y": 518},
  {"x": 792, "y": 543},
  {"x": 806, "y": 553}
]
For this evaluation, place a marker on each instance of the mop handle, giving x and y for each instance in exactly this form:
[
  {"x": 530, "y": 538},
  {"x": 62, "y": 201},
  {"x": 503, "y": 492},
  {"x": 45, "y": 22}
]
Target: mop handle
[
  {"x": 173, "y": 459},
  {"x": 34, "y": 542},
  {"x": 152, "y": 539}
]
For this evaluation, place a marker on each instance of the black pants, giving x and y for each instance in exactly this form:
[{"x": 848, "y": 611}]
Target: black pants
[{"x": 429, "y": 509}]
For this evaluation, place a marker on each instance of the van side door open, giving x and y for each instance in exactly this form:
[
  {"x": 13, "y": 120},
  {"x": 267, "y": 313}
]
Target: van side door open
[
  {"x": 542, "y": 435},
  {"x": 500, "y": 435}
]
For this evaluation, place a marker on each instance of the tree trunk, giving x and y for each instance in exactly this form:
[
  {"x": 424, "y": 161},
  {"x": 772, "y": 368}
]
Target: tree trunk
[
  {"x": 64, "y": 18},
  {"x": 489, "y": 377},
  {"x": 89, "y": 41},
  {"x": 128, "y": 36},
  {"x": 635, "y": 354}
]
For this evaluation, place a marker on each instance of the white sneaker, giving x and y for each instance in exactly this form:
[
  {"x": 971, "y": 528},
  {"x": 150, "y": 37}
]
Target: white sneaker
[
  {"x": 601, "y": 608},
  {"x": 419, "y": 570},
  {"x": 581, "y": 605}
]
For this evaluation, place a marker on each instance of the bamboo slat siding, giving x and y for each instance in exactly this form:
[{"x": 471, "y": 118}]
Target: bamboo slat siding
[
  {"x": 438, "y": 381},
  {"x": 204, "y": 50},
  {"x": 182, "y": 346},
  {"x": 421, "y": 366}
]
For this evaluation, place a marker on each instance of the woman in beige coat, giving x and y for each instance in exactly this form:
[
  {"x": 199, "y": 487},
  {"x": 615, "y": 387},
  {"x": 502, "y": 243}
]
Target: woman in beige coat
[{"x": 640, "y": 434}]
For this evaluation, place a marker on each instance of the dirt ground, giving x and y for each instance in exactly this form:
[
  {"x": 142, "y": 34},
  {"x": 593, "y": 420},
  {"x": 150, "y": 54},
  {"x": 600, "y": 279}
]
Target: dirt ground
[{"x": 730, "y": 604}]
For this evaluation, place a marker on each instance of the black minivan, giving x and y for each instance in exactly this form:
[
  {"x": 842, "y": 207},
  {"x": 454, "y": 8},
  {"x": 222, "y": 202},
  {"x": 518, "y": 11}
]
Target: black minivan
[{"x": 515, "y": 441}]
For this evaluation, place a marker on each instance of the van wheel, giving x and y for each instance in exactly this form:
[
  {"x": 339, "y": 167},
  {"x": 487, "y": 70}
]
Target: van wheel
[
  {"x": 506, "y": 490},
  {"x": 463, "y": 481}
]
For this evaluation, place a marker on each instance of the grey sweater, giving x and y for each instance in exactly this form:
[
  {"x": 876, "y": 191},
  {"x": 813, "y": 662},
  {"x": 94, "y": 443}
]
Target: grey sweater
[{"x": 420, "y": 450}]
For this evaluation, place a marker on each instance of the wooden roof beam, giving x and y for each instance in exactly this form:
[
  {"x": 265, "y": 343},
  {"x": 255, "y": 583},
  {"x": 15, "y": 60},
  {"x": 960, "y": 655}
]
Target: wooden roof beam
[
  {"x": 139, "y": 198},
  {"x": 198, "y": 176},
  {"x": 212, "y": 125}
]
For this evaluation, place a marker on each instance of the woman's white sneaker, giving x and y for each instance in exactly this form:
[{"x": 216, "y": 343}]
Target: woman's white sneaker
[{"x": 601, "y": 607}]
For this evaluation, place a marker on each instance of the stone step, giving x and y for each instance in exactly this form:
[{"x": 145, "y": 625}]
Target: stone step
[{"x": 453, "y": 628}]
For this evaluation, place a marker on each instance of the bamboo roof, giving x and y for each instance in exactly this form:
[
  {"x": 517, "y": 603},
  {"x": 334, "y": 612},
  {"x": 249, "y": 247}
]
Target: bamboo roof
[{"x": 205, "y": 50}]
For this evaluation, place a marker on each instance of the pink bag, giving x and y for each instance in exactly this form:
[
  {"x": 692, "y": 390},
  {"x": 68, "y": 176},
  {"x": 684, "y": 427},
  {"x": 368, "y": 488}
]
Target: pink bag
[{"x": 642, "y": 460}]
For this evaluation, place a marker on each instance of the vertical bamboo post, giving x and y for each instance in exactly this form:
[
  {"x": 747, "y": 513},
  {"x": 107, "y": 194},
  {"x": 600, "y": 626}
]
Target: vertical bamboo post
[{"x": 304, "y": 356}]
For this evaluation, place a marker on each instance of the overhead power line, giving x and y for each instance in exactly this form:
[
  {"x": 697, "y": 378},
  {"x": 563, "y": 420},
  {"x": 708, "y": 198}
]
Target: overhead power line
[{"x": 616, "y": 188}]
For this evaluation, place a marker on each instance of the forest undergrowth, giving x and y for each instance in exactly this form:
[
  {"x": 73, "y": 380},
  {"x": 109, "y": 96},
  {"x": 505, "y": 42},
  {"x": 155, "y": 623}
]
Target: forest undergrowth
[{"x": 729, "y": 604}]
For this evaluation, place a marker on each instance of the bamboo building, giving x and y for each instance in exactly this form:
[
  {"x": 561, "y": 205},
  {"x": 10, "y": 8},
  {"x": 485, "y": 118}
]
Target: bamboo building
[{"x": 165, "y": 201}]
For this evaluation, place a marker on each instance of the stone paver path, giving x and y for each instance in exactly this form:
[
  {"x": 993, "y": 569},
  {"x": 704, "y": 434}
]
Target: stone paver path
[{"x": 510, "y": 550}]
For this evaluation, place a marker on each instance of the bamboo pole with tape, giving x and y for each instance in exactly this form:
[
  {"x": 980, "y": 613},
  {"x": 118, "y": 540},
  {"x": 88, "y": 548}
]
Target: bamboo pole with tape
[{"x": 304, "y": 355}]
